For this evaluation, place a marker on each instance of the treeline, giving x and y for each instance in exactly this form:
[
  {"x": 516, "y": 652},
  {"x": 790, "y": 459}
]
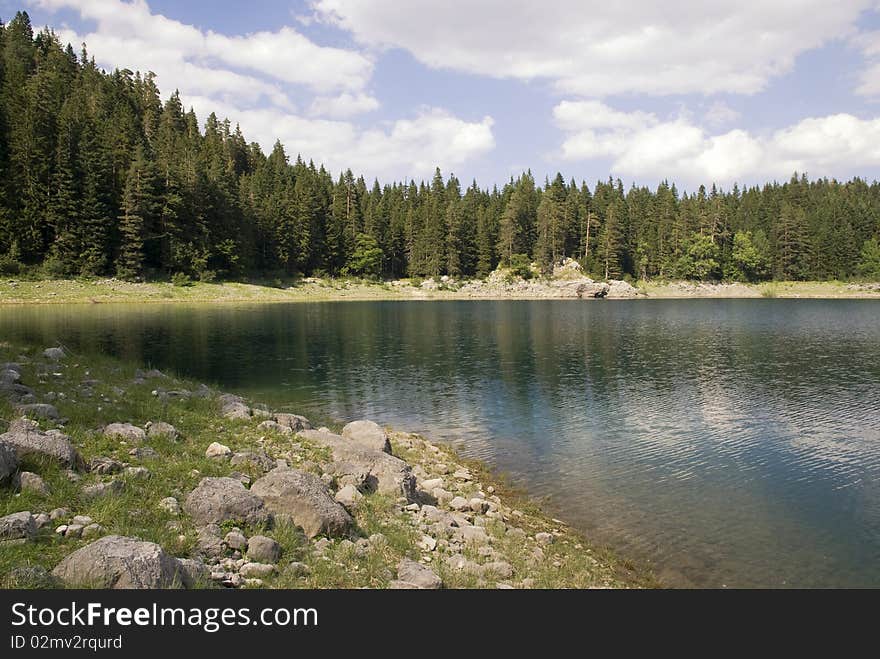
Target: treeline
[{"x": 99, "y": 177}]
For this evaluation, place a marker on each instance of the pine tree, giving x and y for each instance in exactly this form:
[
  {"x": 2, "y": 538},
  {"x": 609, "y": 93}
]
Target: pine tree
[{"x": 139, "y": 206}]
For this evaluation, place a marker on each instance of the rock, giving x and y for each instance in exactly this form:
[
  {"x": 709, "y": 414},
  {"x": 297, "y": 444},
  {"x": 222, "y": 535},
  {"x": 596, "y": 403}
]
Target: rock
[
  {"x": 462, "y": 475},
  {"x": 235, "y": 540},
  {"x": 544, "y": 538},
  {"x": 194, "y": 572},
  {"x": 293, "y": 421},
  {"x": 59, "y": 513},
  {"x": 41, "y": 520},
  {"x": 83, "y": 520},
  {"x": 473, "y": 534},
  {"x": 218, "y": 450},
  {"x": 61, "y": 530},
  {"x": 349, "y": 496},
  {"x": 460, "y": 504},
  {"x": 105, "y": 466},
  {"x": 144, "y": 453},
  {"x": 379, "y": 471},
  {"x": 39, "y": 411},
  {"x": 417, "y": 574},
  {"x": 253, "y": 458},
  {"x": 297, "y": 569},
  {"x": 217, "y": 500},
  {"x": 18, "y": 526},
  {"x": 427, "y": 543},
  {"x": 125, "y": 432},
  {"x": 275, "y": 427},
  {"x": 442, "y": 495},
  {"x": 157, "y": 429},
  {"x": 138, "y": 473},
  {"x": 26, "y": 438},
  {"x": 54, "y": 354},
  {"x": 209, "y": 541},
  {"x": 256, "y": 570},
  {"x": 396, "y": 584},
  {"x": 233, "y": 407},
  {"x": 8, "y": 462},
  {"x": 101, "y": 490},
  {"x": 459, "y": 563},
  {"x": 431, "y": 484},
  {"x": 305, "y": 500},
  {"x": 9, "y": 376},
  {"x": 479, "y": 505},
  {"x": 170, "y": 505},
  {"x": 368, "y": 434},
  {"x": 262, "y": 549},
  {"x": 92, "y": 530},
  {"x": 31, "y": 482},
  {"x": 119, "y": 562}
]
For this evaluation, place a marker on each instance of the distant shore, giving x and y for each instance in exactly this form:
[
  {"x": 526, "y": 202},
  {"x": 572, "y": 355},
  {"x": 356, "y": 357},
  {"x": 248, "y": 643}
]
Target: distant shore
[{"x": 100, "y": 291}]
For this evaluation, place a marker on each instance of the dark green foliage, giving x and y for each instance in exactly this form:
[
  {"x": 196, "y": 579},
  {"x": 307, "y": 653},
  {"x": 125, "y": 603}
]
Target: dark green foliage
[
  {"x": 98, "y": 176},
  {"x": 869, "y": 264}
]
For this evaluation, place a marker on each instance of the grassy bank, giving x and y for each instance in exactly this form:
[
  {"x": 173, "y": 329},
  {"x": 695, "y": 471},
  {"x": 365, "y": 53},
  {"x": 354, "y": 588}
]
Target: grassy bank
[
  {"x": 318, "y": 290},
  {"x": 91, "y": 393}
]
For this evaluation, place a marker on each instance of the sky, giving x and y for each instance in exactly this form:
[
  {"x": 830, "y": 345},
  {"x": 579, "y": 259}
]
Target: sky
[{"x": 693, "y": 91}]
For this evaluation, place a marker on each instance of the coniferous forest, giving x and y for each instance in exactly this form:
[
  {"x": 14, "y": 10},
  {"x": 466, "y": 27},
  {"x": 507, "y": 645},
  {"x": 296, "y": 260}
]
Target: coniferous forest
[{"x": 99, "y": 176}]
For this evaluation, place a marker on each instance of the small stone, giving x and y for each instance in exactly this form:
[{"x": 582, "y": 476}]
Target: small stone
[
  {"x": 296, "y": 569},
  {"x": 460, "y": 504},
  {"x": 41, "y": 520},
  {"x": 137, "y": 473},
  {"x": 431, "y": 484},
  {"x": 235, "y": 540},
  {"x": 427, "y": 543},
  {"x": 61, "y": 530},
  {"x": 218, "y": 450},
  {"x": 156, "y": 429},
  {"x": 84, "y": 520},
  {"x": 74, "y": 531},
  {"x": 126, "y": 432},
  {"x": 170, "y": 505},
  {"x": 92, "y": 530},
  {"x": 101, "y": 490},
  {"x": 479, "y": 505},
  {"x": 409, "y": 571},
  {"x": 59, "y": 513},
  {"x": 544, "y": 538},
  {"x": 104, "y": 466}
]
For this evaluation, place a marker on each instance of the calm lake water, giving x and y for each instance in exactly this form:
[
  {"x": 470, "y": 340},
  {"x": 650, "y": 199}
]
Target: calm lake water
[{"x": 723, "y": 442}]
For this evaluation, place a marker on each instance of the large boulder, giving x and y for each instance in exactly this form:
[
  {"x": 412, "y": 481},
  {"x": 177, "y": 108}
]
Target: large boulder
[
  {"x": 218, "y": 500},
  {"x": 26, "y": 438},
  {"x": 411, "y": 572},
  {"x": 8, "y": 462},
  {"x": 17, "y": 526},
  {"x": 374, "y": 471},
  {"x": 304, "y": 499},
  {"x": 119, "y": 562},
  {"x": 368, "y": 434}
]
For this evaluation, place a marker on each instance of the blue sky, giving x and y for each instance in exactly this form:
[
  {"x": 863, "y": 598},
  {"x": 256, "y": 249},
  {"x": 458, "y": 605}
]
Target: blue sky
[{"x": 690, "y": 90}]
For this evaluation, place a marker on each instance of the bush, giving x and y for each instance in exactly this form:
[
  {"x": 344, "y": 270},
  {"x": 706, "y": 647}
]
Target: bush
[
  {"x": 54, "y": 267},
  {"x": 181, "y": 279},
  {"x": 521, "y": 266},
  {"x": 207, "y": 276},
  {"x": 9, "y": 265}
]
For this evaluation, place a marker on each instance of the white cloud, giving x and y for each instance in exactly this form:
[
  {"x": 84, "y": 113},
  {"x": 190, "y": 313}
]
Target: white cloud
[
  {"x": 344, "y": 105},
  {"x": 129, "y": 34},
  {"x": 869, "y": 77},
  {"x": 719, "y": 114},
  {"x": 604, "y": 48},
  {"x": 643, "y": 145}
]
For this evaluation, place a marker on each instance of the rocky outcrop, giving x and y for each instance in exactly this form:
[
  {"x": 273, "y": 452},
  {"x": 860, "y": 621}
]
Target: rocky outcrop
[
  {"x": 370, "y": 470},
  {"x": 368, "y": 434},
  {"x": 218, "y": 500},
  {"x": 26, "y": 438},
  {"x": 305, "y": 500},
  {"x": 123, "y": 563}
]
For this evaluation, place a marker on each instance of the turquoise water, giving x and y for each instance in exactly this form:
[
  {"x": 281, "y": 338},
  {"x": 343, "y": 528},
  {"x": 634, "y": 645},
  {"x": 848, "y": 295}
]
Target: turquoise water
[{"x": 722, "y": 442}]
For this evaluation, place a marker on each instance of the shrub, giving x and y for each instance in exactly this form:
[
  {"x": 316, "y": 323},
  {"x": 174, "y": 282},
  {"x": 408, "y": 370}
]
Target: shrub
[
  {"x": 181, "y": 279},
  {"x": 521, "y": 266}
]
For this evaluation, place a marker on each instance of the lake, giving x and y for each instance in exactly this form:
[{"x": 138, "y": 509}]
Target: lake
[{"x": 721, "y": 442}]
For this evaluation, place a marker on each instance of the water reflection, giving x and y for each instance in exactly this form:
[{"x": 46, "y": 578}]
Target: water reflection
[{"x": 732, "y": 442}]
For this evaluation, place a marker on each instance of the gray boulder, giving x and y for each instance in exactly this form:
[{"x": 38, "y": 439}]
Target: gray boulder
[
  {"x": 9, "y": 376},
  {"x": 122, "y": 563},
  {"x": 293, "y": 421},
  {"x": 125, "y": 431},
  {"x": 411, "y": 572},
  {"x": 305, "y": 500},
  {"x": 26, "y": 438},
  {"x": 157, "y": 429},
  {"x": 262, "y": 549},
  {"x": 18, "y": 526},
  {"x": 368, "y": 434},
  {"x": 374, "y": 471},
  {"x": 217, "y": 500},
  {"x": 8, "y": 462},
  {"x": 43, "y": 411}
]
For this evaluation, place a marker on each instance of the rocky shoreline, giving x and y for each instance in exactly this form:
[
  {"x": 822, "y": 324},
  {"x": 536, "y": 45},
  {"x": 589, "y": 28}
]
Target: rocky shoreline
[{"x": 162, "y": 483}]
